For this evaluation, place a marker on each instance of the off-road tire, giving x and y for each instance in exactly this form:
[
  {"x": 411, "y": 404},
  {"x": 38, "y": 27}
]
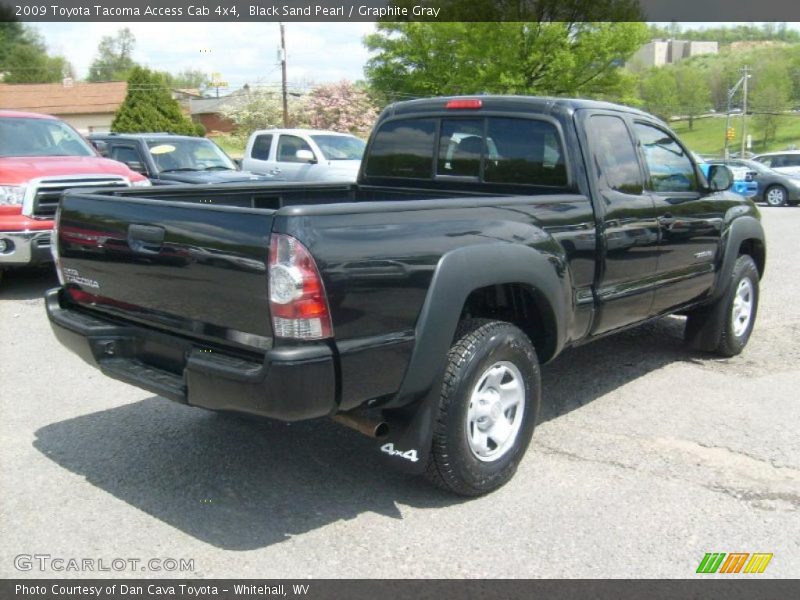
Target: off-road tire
[
  {"x": 728, "y": 343},
  {"x": 478, "y": 345}
]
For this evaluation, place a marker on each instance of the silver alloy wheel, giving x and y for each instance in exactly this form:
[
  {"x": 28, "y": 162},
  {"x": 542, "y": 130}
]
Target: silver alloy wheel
[
  {"x": 496, "y": 410},
  {"x": 776, "y": 196},
  {"x": 742, "y": 309}
]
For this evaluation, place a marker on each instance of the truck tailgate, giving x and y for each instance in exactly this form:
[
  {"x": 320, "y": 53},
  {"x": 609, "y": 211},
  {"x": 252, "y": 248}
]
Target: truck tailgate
[{"x": 194, "y": 269}]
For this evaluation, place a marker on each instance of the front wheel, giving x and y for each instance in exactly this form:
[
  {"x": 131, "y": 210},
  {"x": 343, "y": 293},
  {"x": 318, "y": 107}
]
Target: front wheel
[
  {"x": 487, "y": 408},
  {"x": 776, "y": 196},
  {"x": 737, "y": 310}
]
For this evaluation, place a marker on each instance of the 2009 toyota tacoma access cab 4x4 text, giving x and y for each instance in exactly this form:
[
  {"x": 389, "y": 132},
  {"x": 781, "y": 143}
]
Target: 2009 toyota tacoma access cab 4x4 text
[{"x": 483, "y": 237}]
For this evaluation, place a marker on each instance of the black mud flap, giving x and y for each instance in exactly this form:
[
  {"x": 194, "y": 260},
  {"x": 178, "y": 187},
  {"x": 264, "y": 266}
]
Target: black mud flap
[{"x": 407, "y": 446}]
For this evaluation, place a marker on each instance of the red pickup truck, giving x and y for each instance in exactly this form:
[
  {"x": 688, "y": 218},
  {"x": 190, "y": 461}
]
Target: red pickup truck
[{"x": 40, "y": 157}]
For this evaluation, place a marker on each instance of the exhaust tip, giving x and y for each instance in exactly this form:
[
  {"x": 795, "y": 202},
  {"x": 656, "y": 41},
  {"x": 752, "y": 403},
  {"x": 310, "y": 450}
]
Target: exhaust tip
[{"x": 381, "y": 430}]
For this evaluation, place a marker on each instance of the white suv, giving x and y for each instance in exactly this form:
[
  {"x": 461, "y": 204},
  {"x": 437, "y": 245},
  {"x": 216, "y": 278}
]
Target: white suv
[
  {"x": 784, "y": 162},
  {"x": 304, "y": 155}
]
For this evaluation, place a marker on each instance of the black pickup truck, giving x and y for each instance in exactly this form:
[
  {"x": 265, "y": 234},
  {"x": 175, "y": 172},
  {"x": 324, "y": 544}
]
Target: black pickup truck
[{"x": 484, "y": 236}]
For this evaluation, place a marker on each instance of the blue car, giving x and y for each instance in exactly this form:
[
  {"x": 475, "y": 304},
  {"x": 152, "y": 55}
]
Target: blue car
[{"x": 743, "y": 183}]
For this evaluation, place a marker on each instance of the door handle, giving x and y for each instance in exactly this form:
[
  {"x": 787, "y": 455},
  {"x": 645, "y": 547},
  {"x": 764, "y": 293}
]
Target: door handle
[
  {"x": 146, "y": 239},
  {"x": 275, "y": 172}
]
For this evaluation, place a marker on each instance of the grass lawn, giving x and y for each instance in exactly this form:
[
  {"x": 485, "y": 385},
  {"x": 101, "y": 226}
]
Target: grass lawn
[
  {"x": 233, "y": 145},
  {"x": 708, "y": 134}
]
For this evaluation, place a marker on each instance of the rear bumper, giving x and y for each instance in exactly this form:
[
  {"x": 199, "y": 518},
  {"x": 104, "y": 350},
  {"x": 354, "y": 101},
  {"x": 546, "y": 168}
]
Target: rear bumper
[
  {"x": 21, "y": 248},
  {"x": 290, "y": 383}
]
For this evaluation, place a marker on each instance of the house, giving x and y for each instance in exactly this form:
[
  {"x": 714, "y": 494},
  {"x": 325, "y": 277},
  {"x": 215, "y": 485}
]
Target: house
[
  {"x": 88, "y": 107},
  {"x": 657, "y": 53},
  {"x": 208, "y": 111}
]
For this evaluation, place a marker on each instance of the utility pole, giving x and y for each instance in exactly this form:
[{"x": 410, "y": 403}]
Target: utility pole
[
  {"x": 283, "y": 79},
  {"x": 745, "y": 77},
  {"x": 731, "y": 93}
]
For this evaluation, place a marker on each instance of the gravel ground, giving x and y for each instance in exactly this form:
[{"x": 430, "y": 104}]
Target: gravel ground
[{"x": 647, "y": 457}]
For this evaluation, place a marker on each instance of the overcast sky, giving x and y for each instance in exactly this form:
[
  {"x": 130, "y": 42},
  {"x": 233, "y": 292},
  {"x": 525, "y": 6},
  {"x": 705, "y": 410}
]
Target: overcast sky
[{"x": 241, "y": 52}]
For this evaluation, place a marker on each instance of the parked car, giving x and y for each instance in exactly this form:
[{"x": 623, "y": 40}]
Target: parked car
[
  {"x": 40, "y": 156},
  {"x": 304, "y": 154},
  {"x": 417, "y": 304},
  {"x": 168, "y": 159},
  {"x": 774, "y": 188},
  {"x": 787, "y": 161}
]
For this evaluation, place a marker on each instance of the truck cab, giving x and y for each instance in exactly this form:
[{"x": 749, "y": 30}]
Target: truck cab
[
  {"x": 168, "y": 159},
  {"x": 40, "y": 157},
  {"x": 304, "y": 155}
]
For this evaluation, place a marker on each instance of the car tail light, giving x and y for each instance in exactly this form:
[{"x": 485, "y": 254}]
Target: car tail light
[
  {"x": 464, "y": 103},
  {"x": 297, "y": 298}
]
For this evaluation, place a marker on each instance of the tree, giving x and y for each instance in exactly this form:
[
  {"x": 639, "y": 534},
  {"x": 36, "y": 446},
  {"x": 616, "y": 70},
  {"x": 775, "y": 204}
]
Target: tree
[
  {"x": 149, "y": 106},
  {"x": 693, "y": 92},
  {"x": 554, "y": 58},
  {"x": 188, "y": 78},
  {"x": 659, "y": 92},
  {"x": 770, "y": 96},
  {"x": 341, "y": 106},
  {"x": 261, "y": 109},
  {"x": 113, "y": 61},
  {"x": 24, "y": 58}
]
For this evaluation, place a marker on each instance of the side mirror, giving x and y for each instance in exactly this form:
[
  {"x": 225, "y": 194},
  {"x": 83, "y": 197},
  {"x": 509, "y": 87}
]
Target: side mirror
[
  {"x": 306, "y": 156},
  {"x": 101, "y": 147},
  {"x": 720, "y": 178}
]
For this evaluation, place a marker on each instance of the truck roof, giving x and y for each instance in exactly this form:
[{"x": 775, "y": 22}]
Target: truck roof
[
  {"x": 540, "y": 104},
  {"x": 142, "y": 136},
  {"x": 16, "y": 114},
  {"x": 301, "y": 131}
]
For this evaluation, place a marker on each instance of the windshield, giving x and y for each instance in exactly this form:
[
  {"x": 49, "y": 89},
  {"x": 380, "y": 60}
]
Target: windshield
[
  {"x": 340, "y": 147},
  {"x": 40, "y": 137},
  {"x": 188, "y": 155}
]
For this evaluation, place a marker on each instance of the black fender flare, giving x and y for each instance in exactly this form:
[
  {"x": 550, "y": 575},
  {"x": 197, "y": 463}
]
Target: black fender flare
[
  {"x": 411, "y": 412},
  {"x": 740, "y": 229},
  {"x": 711, "y": 316}
]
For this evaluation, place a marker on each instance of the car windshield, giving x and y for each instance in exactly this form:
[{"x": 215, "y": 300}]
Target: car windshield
[
  {"x": 40, "y": 137},
  {"x": 340, "y": 147},
  {"x": 198, "y": 154}
]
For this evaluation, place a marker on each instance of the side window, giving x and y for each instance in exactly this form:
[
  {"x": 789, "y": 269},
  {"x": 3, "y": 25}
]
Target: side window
[
  {"x": 792, "y": 160},
  {"x": 403, "y": 148},
  {"x": 614, "y": 155},
  {"x": 261, "y": 147},
  {"x": 288, "y": 145},
  {"x": 126, "y": 154},
  {"x": 527, "y": 151},
  {"x": 671, "y": 170}
]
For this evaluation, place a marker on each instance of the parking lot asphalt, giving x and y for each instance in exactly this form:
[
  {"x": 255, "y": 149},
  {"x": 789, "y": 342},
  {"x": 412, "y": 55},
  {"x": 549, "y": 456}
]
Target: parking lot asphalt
[{"x": 647, "y": 457}]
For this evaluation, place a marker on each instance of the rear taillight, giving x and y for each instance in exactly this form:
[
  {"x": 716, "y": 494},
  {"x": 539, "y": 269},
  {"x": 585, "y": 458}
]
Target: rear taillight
[{"x": 296, "y": 294}]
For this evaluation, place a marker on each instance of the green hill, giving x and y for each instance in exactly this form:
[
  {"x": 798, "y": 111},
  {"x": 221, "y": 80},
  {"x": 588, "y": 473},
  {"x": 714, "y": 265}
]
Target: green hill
[{"x": 708, "y": 135}]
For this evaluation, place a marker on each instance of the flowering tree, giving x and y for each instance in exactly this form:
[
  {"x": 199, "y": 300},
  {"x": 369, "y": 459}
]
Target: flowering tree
[
  {"x": 259, "y": 109},
  {"x": 342, "y": 107}
]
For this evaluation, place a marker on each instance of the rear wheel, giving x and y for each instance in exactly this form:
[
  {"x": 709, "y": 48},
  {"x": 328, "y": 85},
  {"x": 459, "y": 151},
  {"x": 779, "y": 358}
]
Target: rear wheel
[
  {"x": 776, "y": 195},
  {"x": 487, "y": 409}
]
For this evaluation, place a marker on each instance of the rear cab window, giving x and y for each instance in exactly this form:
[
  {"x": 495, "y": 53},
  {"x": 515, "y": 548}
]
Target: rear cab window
[{"x": 501, "y": 150}]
